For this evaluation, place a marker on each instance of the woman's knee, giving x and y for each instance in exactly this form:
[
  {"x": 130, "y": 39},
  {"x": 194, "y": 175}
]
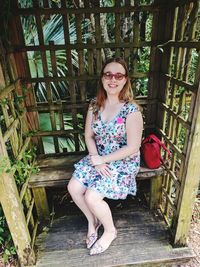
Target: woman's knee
[
  {"x": 75, "y": 188},
  {"x": 92, "y": 197}
]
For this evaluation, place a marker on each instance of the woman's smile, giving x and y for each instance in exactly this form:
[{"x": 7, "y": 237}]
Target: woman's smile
[{"x": 112, "y": 85}]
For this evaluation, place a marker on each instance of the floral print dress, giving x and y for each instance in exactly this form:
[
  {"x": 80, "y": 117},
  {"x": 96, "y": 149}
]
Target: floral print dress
[{"x": 110, "y": 137}]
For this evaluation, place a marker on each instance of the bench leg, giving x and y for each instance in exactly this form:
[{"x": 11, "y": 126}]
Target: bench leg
[
  {"x": 155, "y": 193},
  {"x": 41, "y": 203}
]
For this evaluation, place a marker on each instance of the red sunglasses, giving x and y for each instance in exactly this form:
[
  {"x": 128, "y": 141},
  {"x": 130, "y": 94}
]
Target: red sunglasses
[{"x": 118, "y": 76}]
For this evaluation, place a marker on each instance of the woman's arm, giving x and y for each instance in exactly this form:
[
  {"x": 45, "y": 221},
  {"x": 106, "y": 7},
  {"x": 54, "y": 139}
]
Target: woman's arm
[
  {"x": 134, "y": 128},
  {"x": 102, "y": 168},
  {"x": 89, "y": 134}
]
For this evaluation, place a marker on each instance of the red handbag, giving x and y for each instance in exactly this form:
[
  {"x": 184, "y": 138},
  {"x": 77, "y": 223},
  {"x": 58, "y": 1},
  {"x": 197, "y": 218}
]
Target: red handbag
[{"x": 151, "y": 151}]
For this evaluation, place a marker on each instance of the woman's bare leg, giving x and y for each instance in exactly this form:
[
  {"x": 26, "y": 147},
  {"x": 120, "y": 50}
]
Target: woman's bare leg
[
  {"x": 77, "y": 192},
  {"x": 102, "y": 211}
]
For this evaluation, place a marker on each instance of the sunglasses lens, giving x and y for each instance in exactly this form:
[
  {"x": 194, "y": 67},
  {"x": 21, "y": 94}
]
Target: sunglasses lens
[
  {"x": 119, "y": 76},
  {"x": 109, "y": 76}
]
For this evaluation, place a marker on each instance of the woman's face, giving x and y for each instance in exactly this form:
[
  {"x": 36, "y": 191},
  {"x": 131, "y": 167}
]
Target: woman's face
[{"x": 114, "y": 78}]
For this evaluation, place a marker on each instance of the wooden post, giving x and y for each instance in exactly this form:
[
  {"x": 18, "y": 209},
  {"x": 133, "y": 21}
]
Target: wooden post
[
  {"x": 155, "y": 192},
  {"x": 13, "y": 211},
  {"x": 190, "y": 180},
  {"x": 41, "y": 203}
]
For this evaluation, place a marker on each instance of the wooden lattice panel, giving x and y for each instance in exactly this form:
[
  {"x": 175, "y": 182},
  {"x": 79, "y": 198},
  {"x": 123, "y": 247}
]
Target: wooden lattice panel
[
  {"x": 72, "y": 41},
  {"x": 179, "y": 87},
  {"x": 16, "y": 157}
]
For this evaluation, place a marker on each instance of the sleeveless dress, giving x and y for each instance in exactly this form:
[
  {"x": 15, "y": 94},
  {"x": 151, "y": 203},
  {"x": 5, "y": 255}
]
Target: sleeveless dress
[{"x": 110, "y": 137}]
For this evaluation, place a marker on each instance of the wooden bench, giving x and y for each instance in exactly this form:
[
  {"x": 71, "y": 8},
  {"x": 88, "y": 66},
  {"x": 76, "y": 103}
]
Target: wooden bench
[{"x": 56, "y": 172}]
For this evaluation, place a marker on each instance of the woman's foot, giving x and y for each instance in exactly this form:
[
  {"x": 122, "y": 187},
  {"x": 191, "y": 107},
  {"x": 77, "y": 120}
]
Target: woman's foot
[
  {"x": 92, "y": 234},
  {"x": 104, "y": 242}
]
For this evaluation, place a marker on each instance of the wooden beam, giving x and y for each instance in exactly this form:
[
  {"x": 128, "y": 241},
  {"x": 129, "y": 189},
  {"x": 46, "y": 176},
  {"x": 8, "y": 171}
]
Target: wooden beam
[
  {"x": 12, "y": 207},
  {"x": 190, "y": 180},
  {"x": 98, "y": 45},
  {"x": 161, "y": 44},
  {"x": 127, "y": 8},
  {"x": 94, "y": 10},
  {"x": 82, "y": 77}
]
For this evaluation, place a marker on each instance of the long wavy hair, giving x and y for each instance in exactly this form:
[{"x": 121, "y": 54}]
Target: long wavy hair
[{"x": 126, "y": 93}]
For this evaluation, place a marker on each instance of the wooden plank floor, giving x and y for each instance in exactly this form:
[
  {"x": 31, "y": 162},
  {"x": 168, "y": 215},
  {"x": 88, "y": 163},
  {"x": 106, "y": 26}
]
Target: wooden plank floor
[{"x": 143, "y": 240}]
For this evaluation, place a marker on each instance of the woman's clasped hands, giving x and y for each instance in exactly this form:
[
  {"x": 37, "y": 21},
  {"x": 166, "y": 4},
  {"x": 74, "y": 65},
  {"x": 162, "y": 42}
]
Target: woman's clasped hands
[{"x": 101, "y": 167}]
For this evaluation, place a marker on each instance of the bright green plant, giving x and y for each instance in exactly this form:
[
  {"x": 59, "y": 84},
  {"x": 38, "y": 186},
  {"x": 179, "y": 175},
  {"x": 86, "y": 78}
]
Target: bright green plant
[
  {"x": 52, "y": 31},
  {"x": 23, "y": 168},
  {"x": 7, "y": 248}
]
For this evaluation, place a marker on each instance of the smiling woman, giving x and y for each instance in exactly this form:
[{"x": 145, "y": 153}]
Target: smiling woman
[{"x": 113, "y": 133}]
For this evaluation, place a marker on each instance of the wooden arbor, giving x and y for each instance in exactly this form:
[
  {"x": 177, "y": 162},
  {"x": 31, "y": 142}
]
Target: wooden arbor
[{"x": 164, "y": 31}]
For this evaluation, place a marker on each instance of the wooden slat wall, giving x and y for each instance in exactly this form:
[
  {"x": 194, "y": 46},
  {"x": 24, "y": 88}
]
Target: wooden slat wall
[
  {"x": 91, "y": 53},
  {"x": 176, "y": 106}
]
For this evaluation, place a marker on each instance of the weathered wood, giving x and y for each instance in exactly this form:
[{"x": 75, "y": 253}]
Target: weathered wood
[
  {"x": 96, "y": 9},
  {"x": 190, "y": 179},
  {"x": 10, "y": 129},
  {"x": 98, "y": 44},
  {"x": 168, "y": 40},
  {"x": 174, "y": 147},
  {"x": 14, "y": 140},
  {"x": 7, "y": 90},
  {"x": 21, "y": 65},
  {"x": 66, "y": 107},
  {"x": 159, "y": 20},
  {"x": 41, "y": 202},
  {"x": 83, "y": 77},
  {"x": 13, "y": 211},
  {"x": 190, "y": 44},
  {"x": 194, "y": 20},
  {"x": 58, "y": 170},
  {"x": 24, "y": 148},
  {"x": 34, "y": 234},
  {"x": 60, "y": 176},
  {"x": 155, "y": 192},
  {"x": 30, "y": 211},
  {"x": 176, "y": 116},
  {"x": 52, "y": 114},
  {"x": 142, "y": 239}
]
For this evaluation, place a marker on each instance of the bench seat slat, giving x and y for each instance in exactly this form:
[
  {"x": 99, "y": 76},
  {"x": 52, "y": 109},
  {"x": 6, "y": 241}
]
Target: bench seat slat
[{"x": 56, "y": 171}]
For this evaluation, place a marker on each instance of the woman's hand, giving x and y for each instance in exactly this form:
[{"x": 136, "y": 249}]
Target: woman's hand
[
  {"x": 101, "y": 167},
  {"x": 103, "y": 170},
  {"x": 96, "y": 160}
]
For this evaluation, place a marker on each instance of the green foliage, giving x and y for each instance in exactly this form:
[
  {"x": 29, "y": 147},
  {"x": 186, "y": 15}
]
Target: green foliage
[
  {"x": 7, "y": 248},
  {"x": 52, "y": 31},
  {"x": 23, "y": 168},
  {"x": 4, "y": 163}
]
